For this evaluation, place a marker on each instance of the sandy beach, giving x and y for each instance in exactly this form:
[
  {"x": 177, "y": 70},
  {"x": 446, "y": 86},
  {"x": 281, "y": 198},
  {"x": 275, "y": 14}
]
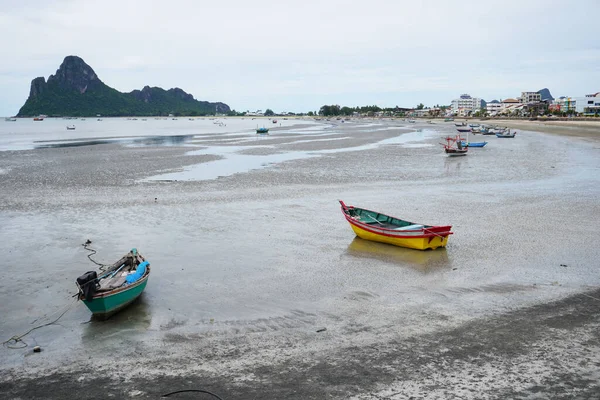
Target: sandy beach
[
  {"x": 259, "y": 287},
  {"x": 581, "y": 129}
]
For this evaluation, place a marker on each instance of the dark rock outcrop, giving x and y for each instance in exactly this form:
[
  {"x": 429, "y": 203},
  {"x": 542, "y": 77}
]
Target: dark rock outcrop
[
  {"x": 545, "y": 93},
  {"x": 38, "y": 87},
  {"x": 75, "y": 73}
]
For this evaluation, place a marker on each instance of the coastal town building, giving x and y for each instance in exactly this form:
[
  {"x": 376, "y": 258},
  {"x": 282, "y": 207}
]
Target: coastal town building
[
  {"x": 530, "y": 97},
  {"x": 588, "y": 105},
  {"x": 511, "y": 106},
  {"x": 493, "y": 107},
  {"x": 426, "y": 112},
  {"x": 563, "y": 104},
  {"x": 510, "y": 103},
  {"x": 465, "y": 105}
]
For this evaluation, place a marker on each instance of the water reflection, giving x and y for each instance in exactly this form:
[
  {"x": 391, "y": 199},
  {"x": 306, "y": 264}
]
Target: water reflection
[
  {"x": 137, "y": 317},
  {"x": 452, "y": 166},
  {"x": 173, "y": 140},
  {"x": 425, "y": 261}
]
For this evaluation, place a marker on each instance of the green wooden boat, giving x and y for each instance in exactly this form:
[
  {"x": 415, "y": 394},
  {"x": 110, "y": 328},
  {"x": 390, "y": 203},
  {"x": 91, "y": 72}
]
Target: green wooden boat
[{"x": 117, "y": 286}]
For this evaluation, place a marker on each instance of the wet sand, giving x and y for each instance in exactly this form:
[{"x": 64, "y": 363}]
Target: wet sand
[
  {"x": 250, "y": 267},
  {"x": 589, "y": 130}
]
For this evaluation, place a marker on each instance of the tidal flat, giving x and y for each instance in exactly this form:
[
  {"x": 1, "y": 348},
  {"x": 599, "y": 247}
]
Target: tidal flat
[{"x": 259, "y": 287}]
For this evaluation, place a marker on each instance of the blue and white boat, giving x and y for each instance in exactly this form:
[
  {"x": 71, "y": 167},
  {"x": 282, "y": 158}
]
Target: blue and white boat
[{"x": 473, "y": 144}]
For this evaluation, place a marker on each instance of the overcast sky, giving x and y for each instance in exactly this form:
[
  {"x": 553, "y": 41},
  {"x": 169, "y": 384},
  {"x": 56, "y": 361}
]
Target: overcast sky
[{"x": 291, "y": 55}]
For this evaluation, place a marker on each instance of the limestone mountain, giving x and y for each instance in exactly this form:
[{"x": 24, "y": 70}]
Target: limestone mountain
[
  {"x": 545, "y": 93},
  {"x": 76, "y": 90}
]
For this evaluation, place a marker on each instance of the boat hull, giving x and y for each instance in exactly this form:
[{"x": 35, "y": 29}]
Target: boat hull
[
  {"x": 105, "y": 304},
  {"x": 474, "y": 144},
  {"x": 418, "y": 243},
  {"x": 456, "y": 152}
]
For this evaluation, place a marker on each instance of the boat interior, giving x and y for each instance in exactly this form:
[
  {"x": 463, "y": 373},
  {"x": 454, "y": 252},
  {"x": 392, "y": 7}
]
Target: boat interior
[
  {"x": 382, "y": 220},
  {"x": 116, "y": 275},
  {"x": 115, "y": 279}
]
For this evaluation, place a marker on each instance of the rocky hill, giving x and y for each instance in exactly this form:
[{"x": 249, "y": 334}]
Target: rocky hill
[
  {"x": 75, "y": 90},
  {"x": 545, "y": 93}
]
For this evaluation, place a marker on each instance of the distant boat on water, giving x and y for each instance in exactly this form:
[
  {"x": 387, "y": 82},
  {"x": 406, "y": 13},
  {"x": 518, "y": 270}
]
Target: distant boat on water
[
  {"x": 10, "y": 119},
  {"x": 262, "y": 130},
  {"x": 70, "y": 127}
]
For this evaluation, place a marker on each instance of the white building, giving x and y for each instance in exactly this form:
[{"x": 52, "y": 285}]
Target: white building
[
  {"x": 465, "y": 104},
  {"x": 564, "y": 103},
  {"x": 493, "y": 107},
  {"x": 510, "y": 104},
  {"x": 588, "y": 105},
  {"x": 530, "y": 97}
]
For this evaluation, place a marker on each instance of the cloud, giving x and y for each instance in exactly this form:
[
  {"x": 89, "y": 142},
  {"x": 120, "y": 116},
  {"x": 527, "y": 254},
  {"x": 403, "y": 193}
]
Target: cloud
[{"x": 250, "y": 53}]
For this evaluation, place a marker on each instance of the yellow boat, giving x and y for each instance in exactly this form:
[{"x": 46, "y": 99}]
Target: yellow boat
[{"x": 371, "y": 225}]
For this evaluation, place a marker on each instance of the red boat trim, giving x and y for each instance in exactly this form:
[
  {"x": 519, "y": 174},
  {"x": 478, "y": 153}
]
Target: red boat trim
[{"x": 434, "y": 230}]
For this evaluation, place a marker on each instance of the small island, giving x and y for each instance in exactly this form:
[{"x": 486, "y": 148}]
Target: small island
[{"x": 76, "y": 91}]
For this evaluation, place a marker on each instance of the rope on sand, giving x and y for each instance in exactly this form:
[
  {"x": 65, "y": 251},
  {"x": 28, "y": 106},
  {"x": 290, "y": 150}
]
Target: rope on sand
[
  {"x": 16, "y": 342},
  {"x": 192, "y": 390},
  {"x": 85, "y": 246}
]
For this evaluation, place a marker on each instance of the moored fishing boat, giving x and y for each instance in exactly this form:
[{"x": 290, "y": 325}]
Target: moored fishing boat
[
  {"x": 262, "y": 130},
  {"x": 70, "y": 127},
  {"x": 10, "y": 119},
  {"x": 506, "y": 134},
  {"x": 473, "y": 144},
  {"x": 454, "y": 146},
  {"x": 117, "y": 287},
  {"x": 378, "y": 227}
]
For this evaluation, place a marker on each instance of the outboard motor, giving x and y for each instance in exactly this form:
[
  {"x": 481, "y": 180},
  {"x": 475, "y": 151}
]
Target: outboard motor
[{"x": 87, "y": 283}]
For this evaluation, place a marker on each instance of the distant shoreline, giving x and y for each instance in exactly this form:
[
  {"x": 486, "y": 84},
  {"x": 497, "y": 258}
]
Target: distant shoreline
[
  {"x": 576, "y": 128},
  {"x": 573, "y": 127}
]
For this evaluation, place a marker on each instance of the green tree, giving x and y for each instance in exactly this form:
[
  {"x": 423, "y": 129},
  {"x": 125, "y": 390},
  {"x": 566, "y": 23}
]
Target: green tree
[
  {"x": 310, "y": 114},
  {"x": 269, "y": 113},
  {"x": 328, "y": 111},
  {"x": 346, "y": 111},
  {"x": 420, "y": 106}
]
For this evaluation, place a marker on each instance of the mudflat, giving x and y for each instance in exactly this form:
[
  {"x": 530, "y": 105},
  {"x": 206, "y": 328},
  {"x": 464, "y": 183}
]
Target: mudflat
[{"x": 260, "y": 289}]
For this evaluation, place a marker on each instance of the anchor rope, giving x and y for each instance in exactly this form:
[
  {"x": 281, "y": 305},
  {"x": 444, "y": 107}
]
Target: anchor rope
[
  {"x": 16, "y": 339},
  {"x": 92, "y": 252}
]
